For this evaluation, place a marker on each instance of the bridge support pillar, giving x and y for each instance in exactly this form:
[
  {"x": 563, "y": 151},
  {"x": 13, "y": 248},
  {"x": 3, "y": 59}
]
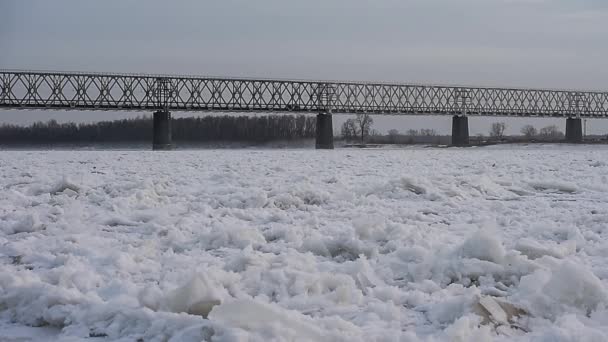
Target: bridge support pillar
[
  {"x": 460, "y": 130},
  {"x": 325, "y": 132},
  {"x": 161, "y": 139},
  {"x": 574, "y": 130}
]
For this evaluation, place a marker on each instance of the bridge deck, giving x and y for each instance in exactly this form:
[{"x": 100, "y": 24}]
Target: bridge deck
[{"x": 130, "y": 92}]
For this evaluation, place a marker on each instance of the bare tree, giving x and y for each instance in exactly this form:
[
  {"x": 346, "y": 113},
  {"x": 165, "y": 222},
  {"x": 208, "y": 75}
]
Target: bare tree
[
  {"x": 393, "y": 135},
  {"x": 364, "y": 124},
  {"x": 498, "y": 130},
  {"x": 427, "y": 132},
  {"x": 529, "y": 131},
  {"x": 412, "y": 132},
  {"x": 551, "y": 132},
  {"x": 349, "y": 129}
]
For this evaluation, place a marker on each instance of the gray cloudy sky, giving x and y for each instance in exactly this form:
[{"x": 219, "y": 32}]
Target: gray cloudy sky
[{"x": 528, "y": 43}]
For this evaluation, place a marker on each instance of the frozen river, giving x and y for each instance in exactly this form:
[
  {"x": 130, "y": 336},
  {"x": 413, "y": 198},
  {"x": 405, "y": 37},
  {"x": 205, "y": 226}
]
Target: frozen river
[{"x": 304, "y": 245}]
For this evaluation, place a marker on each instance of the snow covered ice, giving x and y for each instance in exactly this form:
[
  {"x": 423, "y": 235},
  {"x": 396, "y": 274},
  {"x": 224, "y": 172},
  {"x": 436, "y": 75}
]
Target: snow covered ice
[{"x": 304, "y": 245}]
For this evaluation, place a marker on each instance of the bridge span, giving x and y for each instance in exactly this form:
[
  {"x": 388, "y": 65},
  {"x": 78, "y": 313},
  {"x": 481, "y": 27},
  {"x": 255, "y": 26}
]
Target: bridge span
[{"x": 163, "y": 94}]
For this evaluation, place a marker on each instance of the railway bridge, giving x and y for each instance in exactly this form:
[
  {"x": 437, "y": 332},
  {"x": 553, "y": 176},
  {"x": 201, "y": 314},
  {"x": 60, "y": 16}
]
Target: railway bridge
[{"x": 164, "y": 94}]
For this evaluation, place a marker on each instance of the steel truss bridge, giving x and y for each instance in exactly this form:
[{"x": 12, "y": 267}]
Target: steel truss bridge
[
  {"x": 164, "y": 94},
  {"x": 138, "y": 92}
]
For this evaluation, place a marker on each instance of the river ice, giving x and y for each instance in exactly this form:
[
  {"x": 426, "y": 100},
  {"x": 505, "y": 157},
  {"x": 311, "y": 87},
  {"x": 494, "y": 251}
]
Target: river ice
[{"x": 304, "y": 245}]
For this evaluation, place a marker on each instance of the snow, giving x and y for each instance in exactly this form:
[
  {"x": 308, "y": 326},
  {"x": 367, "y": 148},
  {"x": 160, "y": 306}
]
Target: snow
[
  {"x": 484, "y": 245},
  {"x": 303, "y": 245}
]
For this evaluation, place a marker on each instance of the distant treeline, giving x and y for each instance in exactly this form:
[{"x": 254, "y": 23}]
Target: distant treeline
[{"x": 203, "y": 129}]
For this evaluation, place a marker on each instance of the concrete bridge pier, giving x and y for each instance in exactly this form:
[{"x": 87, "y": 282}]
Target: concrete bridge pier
[
  {"x": 325, "y": 132},
  {"x": 574, "y": 130},
  {"x": 161, "y": 139},
  {"x": 460, "y": 130}
]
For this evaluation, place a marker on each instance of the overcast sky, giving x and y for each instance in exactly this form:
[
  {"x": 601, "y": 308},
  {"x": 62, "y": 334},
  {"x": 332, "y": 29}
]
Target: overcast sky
[{"x": 527, "y": 43}]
